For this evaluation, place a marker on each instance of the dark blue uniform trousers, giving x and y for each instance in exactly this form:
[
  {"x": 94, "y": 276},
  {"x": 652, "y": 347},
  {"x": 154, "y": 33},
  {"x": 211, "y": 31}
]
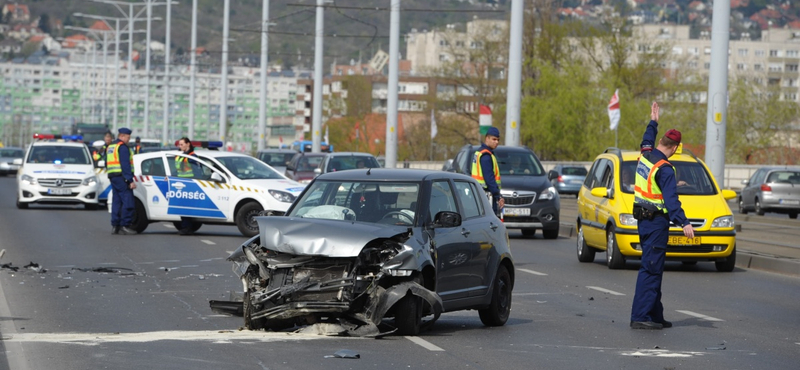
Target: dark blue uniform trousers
[
  {"x": 653, "y": 236},
  {"x": 122, "y": 206}
]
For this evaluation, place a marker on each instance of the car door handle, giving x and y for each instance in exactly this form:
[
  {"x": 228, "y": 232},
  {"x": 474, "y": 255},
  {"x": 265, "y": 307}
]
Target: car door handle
[
  {"x": 493, "y": 226},
  {"x": 464, "y": 232}
]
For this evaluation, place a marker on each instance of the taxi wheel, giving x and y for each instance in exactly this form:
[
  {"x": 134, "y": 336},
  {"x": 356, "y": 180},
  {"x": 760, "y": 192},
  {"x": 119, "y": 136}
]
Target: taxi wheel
[
  {"x": 22, "y": 205},
  {"x": 742, "y": 209},
  {"x": 500, "y": 307},
  {"x": 585, "y": 253},
  {"x": 245, "y": 219},
  {"x": 140, "y": 220},
  {"x": 759, "y": 210},
  {"x": 614, "y": 258},
  {"x": 728, "y": 263}
]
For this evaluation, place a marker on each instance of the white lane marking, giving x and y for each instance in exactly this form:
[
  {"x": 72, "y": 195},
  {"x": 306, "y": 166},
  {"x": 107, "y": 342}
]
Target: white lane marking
[
  {"x": 604, "y": 290},
  {"x": 209, "y": 242},
  {"x": 168, "y": 226},
  {"x": 424, "y": 344},
  {"x": 211, "y": 259},
  {"x": 216, "y": 336},
  {"x": 699, "y": 315},
  {"x": 661, "y": 353},
  {"x": 533, "y": 272}
]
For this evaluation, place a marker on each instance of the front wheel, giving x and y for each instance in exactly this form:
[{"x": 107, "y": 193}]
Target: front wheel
[
  {"x": 759, "y": 210},
  {"x": 246, "y": 219},
  {"x": 614, "y": 257},
  {"x": 21, "y": 205},
  {"x": 550, "y": 233},
  {"x": 728, "y": 264},
  {"x": 500, "y": 307},
  {"x": 195, "y": 225},
  {"x": 742, "y": 209},
  {"x": 585, "y": 252},
  {"x": 140, "y": 220},
  {"x": 408, "y": 315}
]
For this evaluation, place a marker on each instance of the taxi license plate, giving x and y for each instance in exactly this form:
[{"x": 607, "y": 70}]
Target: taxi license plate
[
  {"x": 516, "y": 211},
  {"x": 59, "y": 191},
  {"x": 682, "y": 240}
]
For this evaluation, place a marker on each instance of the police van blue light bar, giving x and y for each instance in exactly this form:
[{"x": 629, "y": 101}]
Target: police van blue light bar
[{"x": 57, "y": 137}]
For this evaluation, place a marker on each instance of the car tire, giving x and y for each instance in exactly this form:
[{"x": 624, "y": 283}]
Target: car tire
[
  {"x": 793, "y": 215},
  {"x": 90, "y": 206},
  {"x": 614, "y": 259},
  {"x": 245, "y": 220},
  {"x": 585, "y": 252},
  {"x": 550, "y": 233},
  {"x": 248, "y": 309},
  {"x": 22, "y": 205},
  {"x": 500, "y": 307},
  {"x": 408, "y": 315},
  {"x": 528, "y": 233},
  {"x": 728, "y": 263},
  {"x": 742, "y": 209},
  {"x": 195, "y": 225},
  {"x": 140, "y": 221},
  {"x": 759, "y": 210}
]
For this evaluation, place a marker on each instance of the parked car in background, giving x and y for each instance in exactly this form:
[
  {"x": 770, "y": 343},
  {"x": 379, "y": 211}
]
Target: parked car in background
[
  {"x": 772, "y": 189},
  {"x": 276, "y": 158},
  {"x": 605, "y": 213},
  {"x": 301, "y": 167},
  {"x": 570, "y": 178},
  {"x": 7, "y": 156},
  {"x": 381, "y": 160},
  {"x": 531, "y": 201},
  {"x": 342, "y": 161}
]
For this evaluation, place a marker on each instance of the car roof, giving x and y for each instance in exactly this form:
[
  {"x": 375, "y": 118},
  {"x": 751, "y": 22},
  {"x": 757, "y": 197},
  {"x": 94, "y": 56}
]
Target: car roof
[
  {"x": 350, "y": 154},
  {"x": 686, "y": 156},
  {"x": 59, "y": 143},
  {"x": 389, "y": 174},
  {"x": 275, "y": 150}
]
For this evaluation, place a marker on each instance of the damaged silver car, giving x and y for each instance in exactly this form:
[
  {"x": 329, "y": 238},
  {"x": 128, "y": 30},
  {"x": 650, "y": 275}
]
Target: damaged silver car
[{"x": 362, "y": 246}]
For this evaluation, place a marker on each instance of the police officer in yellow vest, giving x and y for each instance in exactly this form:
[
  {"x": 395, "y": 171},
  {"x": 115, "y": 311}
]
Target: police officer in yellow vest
[
  {"x": 485, "y": 169},
  {"x": 183, "y": 167},
  {"x": 655, "y": 204},
  {"x": 119, "y": 166},
  {"x": 100, "y": 154}
]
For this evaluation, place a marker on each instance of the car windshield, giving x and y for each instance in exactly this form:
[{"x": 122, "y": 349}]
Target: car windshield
[
  {"x": 573, "y": 171},
  {"x": 276, "y": 159},
  {"x": 691, "y": 177},
  {"x": 390, "y": 203},
  {"x": 349, "y": 162},
  {"x": 11, "y": 153},
  {"x": 518, "y": 163},
  {"x": 59, "y": 155},
  {"x": 248, "y": 168}
]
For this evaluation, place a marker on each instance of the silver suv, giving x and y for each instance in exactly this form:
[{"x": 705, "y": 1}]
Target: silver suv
[{"x": 531, "y": 200}]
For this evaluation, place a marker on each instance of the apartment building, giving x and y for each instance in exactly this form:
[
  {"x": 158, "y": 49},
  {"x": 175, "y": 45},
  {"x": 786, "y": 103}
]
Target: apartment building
[{"x": 428, "y": 50}]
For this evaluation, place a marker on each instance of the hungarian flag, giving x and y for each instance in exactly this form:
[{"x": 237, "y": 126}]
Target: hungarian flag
[
  {"x": 434, "y": 129},
  {"x": 485, "y": 118},
  {"x": 358, "y": 126},
  {"x": 613, "y": 110}
]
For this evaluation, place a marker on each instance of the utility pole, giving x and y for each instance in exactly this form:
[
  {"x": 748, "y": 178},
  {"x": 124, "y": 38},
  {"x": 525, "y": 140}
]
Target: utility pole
[
  {"x": 262, "y": 105},
  {"x": 391, "y": 103},
  {"x": 165, "y": 129},
  {"x": 514, "y": 90},
  {"x": 223, "y": 104},
  {"x": 717, "y": 111},
  {"x": 147, "y": 70},
  {"x": 193, "y": 71},
  {"x": 316, "y": 114}
]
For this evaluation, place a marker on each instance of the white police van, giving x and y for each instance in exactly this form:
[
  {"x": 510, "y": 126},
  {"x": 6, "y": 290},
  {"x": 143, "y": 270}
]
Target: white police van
[
  {"x": 225, "y": 188},
  {"x": 57, "y": 169}
]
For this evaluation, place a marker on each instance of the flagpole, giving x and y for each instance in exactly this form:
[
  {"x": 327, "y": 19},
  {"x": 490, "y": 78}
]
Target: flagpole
[{"x": 616, "y": 136}]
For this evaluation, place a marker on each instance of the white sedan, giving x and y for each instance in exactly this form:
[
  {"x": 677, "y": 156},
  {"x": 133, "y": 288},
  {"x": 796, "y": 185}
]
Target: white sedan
[{"x": 226, "y": 188}]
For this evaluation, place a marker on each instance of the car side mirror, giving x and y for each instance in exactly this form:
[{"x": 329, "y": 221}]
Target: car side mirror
[
  {"x": 552, "y": 174},
  {"x": 216, "y": 177},
  {"x": 447, "y": 219},
  {"x": 17, "y": 161},
  {"x": 289, "y": 167},
  {"x": 745, "y": 182},
  {"x": 317, "y": 171},
  {"x": 728, "y": 194},
  {"x": 600, "y": 192},
  {"x": 101, "y": 163}
]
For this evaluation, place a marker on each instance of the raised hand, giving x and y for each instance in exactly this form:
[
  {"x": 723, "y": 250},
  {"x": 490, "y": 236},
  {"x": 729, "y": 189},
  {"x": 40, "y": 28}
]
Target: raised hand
[{"x": 654, "y": 112}]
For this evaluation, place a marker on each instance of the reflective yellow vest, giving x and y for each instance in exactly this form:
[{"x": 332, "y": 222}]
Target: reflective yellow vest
[
  {"x": 113, "y": 159},
  {"x": 646, "y": 190},
  {"x": 477, "y": 171},
  {"x": 183, "y": 166}
]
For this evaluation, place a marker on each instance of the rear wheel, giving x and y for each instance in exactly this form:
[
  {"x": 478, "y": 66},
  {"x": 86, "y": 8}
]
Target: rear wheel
[
  {"x": 793, "y": 215},
  {"x": 550, "y": 233},
  {"x": 759, "y": 210},
  {"x": 408, "y": 315},
  {"x": 529, "y": 233},
  {"x": 140, "y": 220},
  {"x": 500, "y": 307},
  {"x": 614, "y": 258},
  {"x": 245, "y": 218},
  {"x": 585, "y": 252},
  {"x": 195, "y": 225},
  {"x": 742, "y": 209},
  {"x": 728, "y": 264},
  {"x": 21, "y": 205}
]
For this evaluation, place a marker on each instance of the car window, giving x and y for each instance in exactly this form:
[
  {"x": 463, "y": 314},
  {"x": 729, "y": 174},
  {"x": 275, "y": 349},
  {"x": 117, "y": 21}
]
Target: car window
[
  {"x": 628, "y": 176},
  {"x": 248, "y": 168},
  {"x": 276, "y": 159},
  {"x": 608, "y": 177},
  {"x": 460, "y": 162},
  {"x": 759, "y": 177},
  {"x": 11, "y": 153},
  {"x": 59, "y": 155},
  {"x": 784, "y": 177},
  {"x": 153, "y": 167},
  {"x": 469, "y": 199},
  {"x": 518, "y": 163},
  {"x": 348, "y": 162},
  {"x": 308, "y": 163},
  {"x": 597, "y": 174},
  {"x": 199, "y": 170},
  {"x": 692, "y": 179},
  {"x": 392, "y": 203},
  {"x": 442, "y": 199},
  {"x": 573, "y": 171},
  {"x": 754, "y": 179}
]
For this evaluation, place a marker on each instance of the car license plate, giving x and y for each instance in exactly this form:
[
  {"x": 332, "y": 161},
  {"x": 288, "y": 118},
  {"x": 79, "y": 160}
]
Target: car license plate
[
  {"x": 790, "y": 202},
  {"x": 516, "y": 211},
  {"x": 682, "y": 240},
  {"x": 59, "y": 191}
]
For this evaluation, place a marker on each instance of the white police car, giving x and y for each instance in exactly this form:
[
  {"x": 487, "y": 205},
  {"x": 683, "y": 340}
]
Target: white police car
[
  {"x": 55, "y": 171},
  {"x": 226, "y": 188}
]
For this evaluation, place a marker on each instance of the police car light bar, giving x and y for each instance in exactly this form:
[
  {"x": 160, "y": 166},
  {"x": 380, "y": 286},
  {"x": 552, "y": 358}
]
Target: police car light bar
[
  {"x": 57, "y": 137},
  {"x": 204, "y": 144}
]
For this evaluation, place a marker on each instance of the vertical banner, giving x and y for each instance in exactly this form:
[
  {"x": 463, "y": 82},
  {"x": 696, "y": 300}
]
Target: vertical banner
[
  {"x": 434, "y": 129},
  {"x": 485, "y": 120},
  {"x": 613, "y": 110}
]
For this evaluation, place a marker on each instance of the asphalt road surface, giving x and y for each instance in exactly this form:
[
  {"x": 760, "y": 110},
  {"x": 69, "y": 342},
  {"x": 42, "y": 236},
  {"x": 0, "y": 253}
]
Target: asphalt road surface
[{"x": 141, "y": 302}]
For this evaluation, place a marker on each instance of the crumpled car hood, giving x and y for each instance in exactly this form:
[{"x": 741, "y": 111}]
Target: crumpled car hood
[{"x": 319, "y": 237}]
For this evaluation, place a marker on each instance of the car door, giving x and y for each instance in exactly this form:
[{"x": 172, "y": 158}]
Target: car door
[
  {"x": 590, "y": 213},
  {"x": 197, "y": 196},
  {"x": 483, "y": 234},
  {"x": 749, "y": 190},
  {"x": 153, "y": 189},
  {"x": 452, "y": 254}
]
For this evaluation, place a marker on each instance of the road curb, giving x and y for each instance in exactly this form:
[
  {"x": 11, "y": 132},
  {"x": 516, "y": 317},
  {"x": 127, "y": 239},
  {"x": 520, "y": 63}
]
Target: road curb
[{"x": 765, "y": 263}]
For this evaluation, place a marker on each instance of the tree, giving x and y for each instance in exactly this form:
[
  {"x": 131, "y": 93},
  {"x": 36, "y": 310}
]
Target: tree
[{"x": 44, "y": 23}]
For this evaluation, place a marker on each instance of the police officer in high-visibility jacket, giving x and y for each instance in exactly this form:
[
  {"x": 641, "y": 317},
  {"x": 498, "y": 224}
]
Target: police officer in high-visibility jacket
[
  {"x": 100, "y": 153},
  {"x": 485, "y": 169},
  {"x": 119, "y": 166},
  {"x": 655, "y": 204},
  {"x": 183, "y": 167}
]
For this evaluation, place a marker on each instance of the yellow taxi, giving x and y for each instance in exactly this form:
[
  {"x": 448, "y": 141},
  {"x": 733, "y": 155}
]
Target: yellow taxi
[{"x": 605, "y": 213}]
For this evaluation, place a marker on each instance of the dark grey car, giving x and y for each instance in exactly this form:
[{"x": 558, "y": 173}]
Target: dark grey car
[
  {"x": 276, "y": 158},
  {"x": 772, "y": 189},
  {"x": 363, "y": 245},
  {"x": 531, "y": 200}
]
